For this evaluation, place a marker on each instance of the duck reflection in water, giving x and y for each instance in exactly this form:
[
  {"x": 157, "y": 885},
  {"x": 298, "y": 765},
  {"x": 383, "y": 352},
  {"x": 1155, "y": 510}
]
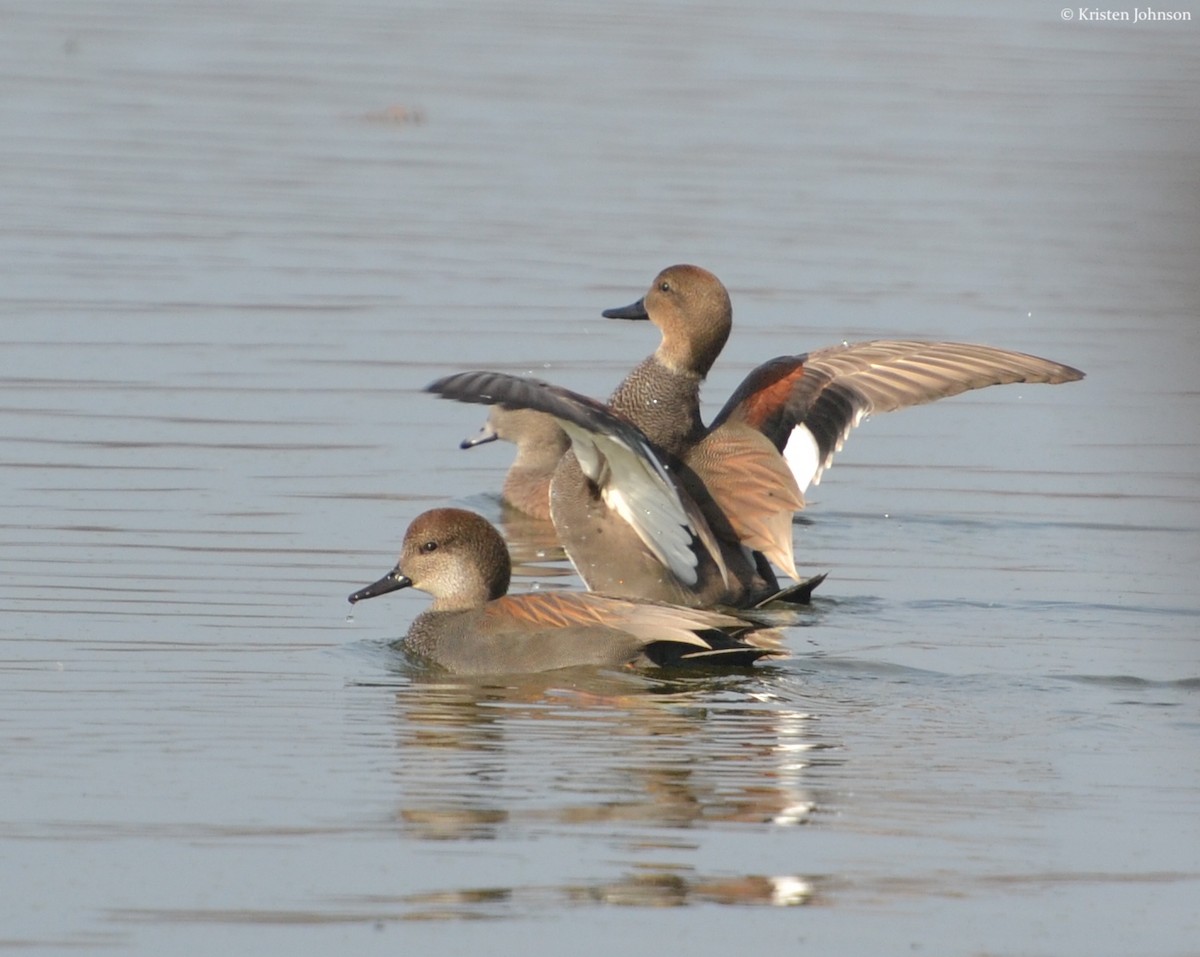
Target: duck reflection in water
[{"x": 647, "y": 757}]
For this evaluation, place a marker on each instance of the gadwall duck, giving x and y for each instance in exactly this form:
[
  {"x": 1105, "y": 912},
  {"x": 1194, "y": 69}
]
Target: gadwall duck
[
  {"x": 540, "y": 443},
  {"x": 679, "y": 511},
  {"x": 474, "y": 627}
]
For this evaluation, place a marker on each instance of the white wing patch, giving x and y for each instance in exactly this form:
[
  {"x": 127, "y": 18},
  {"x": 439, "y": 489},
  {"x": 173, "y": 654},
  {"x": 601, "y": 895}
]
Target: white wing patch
[{"x": 803, "y": 455}]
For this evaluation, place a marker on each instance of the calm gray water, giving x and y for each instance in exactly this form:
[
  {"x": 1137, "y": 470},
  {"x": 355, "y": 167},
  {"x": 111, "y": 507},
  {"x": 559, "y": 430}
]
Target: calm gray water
[{"x": 238, "y": 240}]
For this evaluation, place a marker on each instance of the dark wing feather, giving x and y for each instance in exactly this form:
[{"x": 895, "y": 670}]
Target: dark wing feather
[
  {"x": 832, "y": 390},
  {"x": 614, "y": 454}
]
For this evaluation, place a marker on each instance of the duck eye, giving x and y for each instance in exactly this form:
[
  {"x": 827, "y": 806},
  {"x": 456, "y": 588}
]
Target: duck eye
[
  {"x": 664, "y": 286},
  {"x": 429, "y": 547}
]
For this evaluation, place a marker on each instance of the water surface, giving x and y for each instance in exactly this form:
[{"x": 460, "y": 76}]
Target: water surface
[{"x": 239, "y": 242}]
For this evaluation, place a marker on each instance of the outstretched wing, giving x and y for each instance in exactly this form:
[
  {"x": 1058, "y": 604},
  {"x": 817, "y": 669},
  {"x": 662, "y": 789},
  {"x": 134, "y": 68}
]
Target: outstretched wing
[
  {"x": 808, "y": 404},
  {"x": 614, "y": 454}
]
